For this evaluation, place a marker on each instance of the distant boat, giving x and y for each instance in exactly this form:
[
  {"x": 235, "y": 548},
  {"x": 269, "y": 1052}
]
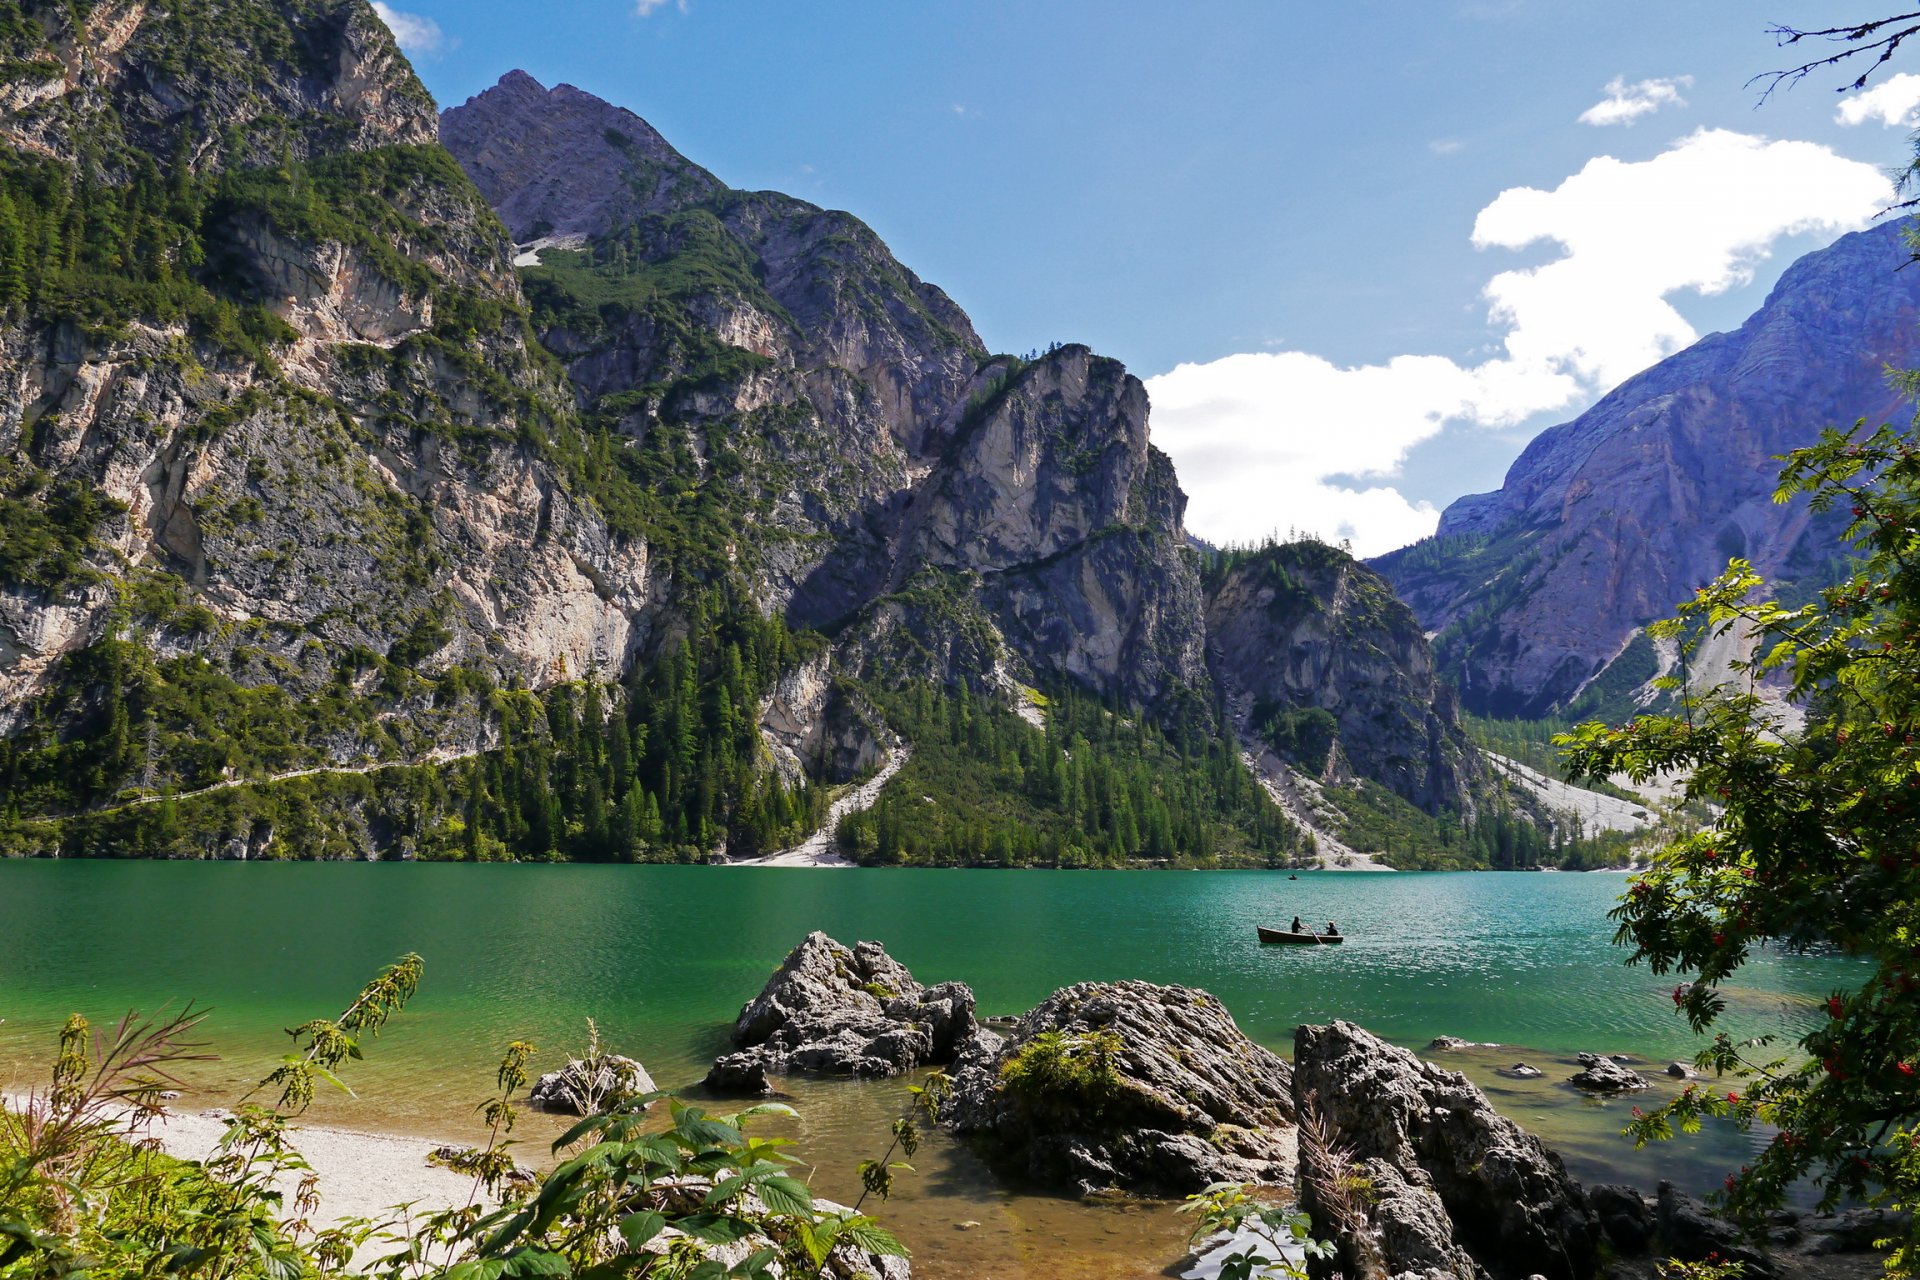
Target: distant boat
[
  {"x": 1293, "y": 877},
  {"x": 1287, "y": 935}
]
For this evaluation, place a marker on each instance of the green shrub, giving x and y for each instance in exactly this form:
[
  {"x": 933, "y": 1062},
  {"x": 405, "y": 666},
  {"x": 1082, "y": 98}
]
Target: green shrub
[{"x": 1067, "y": 1075}]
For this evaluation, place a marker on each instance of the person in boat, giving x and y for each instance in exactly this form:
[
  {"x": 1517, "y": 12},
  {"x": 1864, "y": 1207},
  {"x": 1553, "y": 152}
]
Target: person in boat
[
  {"x": 1297, "y": 926},
  {"x": 1333, "y": 930}
]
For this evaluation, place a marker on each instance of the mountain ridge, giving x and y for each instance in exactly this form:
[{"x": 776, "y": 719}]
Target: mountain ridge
[
  {"x": 333, "y": 533},
  {"x": 1607, "y": 521}
]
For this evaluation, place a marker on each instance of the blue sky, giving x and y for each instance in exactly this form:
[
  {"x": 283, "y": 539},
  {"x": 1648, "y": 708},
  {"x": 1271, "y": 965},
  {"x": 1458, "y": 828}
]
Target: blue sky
[{"x": 1287, "y": 216}]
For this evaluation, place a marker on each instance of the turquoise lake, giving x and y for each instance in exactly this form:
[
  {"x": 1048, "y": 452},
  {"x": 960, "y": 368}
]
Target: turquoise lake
[{"x": 663, "y": 957}]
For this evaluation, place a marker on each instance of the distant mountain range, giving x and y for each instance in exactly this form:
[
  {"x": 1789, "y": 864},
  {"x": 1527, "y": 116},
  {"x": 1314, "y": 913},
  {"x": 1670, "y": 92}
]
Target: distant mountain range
[{"x": 1537, "y": 593}]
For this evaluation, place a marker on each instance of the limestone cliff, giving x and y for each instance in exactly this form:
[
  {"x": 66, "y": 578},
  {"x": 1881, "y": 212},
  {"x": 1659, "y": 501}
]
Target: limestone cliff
[
  {"x": 265, "y": 333},
  {"x": 872, "y": 452},
  {"x": 1606, "y": 522},
  {"x": 1323, "y": 663}
]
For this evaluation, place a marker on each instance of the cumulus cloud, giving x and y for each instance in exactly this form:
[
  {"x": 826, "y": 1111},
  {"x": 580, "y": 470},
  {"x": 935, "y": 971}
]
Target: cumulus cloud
[
  {"x": 1894, "y": 102},
  {"x": 1626, "y": 103},
  {"x": 413, "y": 32},
  {"x": 1275, "y": 440}
]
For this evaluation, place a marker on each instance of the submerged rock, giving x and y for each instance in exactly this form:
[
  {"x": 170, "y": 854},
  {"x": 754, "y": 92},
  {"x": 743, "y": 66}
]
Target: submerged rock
[
  {"x": 1602, "y": 1074},
  {"x": 1126, "y": 1086},
  {"x": 836, "y": 1011},
  {"x": 1450, "y": 1187},
  {"x": 584, "y": 1086},
  {"x": 1521, "y": 1071}
]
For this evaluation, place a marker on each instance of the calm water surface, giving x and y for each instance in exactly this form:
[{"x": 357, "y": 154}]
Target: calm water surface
[{"x": 663, "y": 957}]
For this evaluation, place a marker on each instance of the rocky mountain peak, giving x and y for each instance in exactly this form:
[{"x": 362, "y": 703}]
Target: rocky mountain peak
[
  {"x": 560, "y": 163},
  {"x": 209, "y": 85},
  {"x": 1605, "y": 522}
]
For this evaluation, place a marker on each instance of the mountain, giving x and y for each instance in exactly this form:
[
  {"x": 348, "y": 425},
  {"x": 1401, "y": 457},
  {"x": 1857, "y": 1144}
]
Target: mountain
[
  {"x": 1538, "y": 592},
  {"x": 1328, "y": 668},
  {"x": 536, "y": 494}
]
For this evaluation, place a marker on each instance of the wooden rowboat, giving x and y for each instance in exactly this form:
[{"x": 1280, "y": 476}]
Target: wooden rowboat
[{"x": 1309, "y": 939}]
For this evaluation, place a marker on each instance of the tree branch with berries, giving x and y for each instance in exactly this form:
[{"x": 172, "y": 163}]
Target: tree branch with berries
[{"x": 1816, "y": 842}]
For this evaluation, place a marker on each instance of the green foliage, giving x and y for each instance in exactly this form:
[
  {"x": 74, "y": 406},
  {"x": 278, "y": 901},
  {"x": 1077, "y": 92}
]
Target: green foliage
[
  {"x": 1504, "y": 834},
  {"x": 1302, "y": 736},
  {"x": 81, "y": 1194},
  {"x": 322, "y": 1045},
  {"x": 1531, "y": 743},
  {"x": 1094, "y": 788},
  {"x": 1070, "y": 1076},
  {"x": 1610, "y": 695},
  {"x": 127, "y": 754},
  {"x": 47, "y": 528},
  {"x": 1813, "y": 845},
  {"x": 1230, "y": 1209},
  {"x": 647, "y": 269}
]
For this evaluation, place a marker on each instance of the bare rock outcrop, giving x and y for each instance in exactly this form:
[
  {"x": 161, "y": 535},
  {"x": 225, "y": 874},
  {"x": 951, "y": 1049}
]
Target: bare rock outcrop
[
  {"x": 834, "y": 1011},
  {"x": 1456, "y": 1189},
  {"x": 586, "y": 1085},
  {"x": 1126, "y": 1086}
]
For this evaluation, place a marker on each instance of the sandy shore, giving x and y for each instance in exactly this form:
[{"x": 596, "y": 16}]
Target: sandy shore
[{"x": 362, "y": 1175}]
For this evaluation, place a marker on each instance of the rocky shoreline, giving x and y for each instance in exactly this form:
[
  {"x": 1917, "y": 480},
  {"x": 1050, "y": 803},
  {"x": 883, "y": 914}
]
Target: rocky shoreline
[{"x": 1132, "y": 1088}]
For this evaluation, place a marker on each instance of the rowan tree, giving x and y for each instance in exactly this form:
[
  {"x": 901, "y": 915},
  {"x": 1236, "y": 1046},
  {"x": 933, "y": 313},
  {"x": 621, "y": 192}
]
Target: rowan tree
[{"x": 1815, "y": 842}]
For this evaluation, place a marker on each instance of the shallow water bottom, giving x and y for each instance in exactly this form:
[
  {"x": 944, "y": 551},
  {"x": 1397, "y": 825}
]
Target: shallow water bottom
[{"x": 960, "y": 1219}]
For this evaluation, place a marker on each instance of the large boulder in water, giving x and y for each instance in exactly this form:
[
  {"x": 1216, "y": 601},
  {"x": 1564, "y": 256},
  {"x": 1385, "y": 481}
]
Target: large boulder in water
[
  {"x": 1451, "y": 1188},
  {"x": 835, "y": 1011},
  {"x": 1127, "y": 1086}
]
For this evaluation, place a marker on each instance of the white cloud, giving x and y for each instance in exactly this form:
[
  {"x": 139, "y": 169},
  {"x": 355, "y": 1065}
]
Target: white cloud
[
  {"x": 1260, "y": 438},
  {"x": 1446, "y": 146},
  {"x": 1894, "y": 102},
  {"x": 1626, "y": 103},
  {"x": 413, "y": 32},
  {"x": 647, "y": 8}
]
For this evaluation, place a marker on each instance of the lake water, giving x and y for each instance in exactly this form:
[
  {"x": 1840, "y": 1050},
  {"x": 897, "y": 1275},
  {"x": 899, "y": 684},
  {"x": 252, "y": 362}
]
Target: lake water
[{"x": 663, "y": 957}]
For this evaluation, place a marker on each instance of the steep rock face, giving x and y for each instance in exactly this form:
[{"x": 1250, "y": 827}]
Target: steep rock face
[
  {"x": 845, "y": 405},
  {"x": 830, "y": 368},
  {"x": 1303, "y": 627},
  {"x": 1126, "y": 1085},
  {"x": 542, "y": 158},
  {"x": 1071, "y": 520},
  {"x": 303, "y": 406},
  {"x": 1606, "y": 522},
  {"x": 1461, "y": 1190},
  {"x": 212, "y": 87}
]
